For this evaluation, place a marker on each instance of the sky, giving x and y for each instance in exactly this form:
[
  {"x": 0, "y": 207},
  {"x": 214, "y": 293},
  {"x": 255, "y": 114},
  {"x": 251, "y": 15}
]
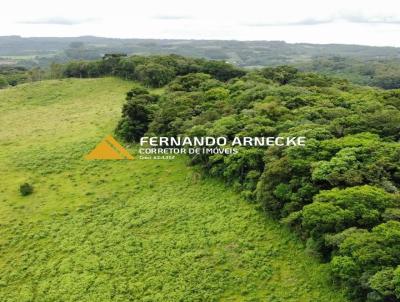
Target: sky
[{"x": 366, "y": 22}]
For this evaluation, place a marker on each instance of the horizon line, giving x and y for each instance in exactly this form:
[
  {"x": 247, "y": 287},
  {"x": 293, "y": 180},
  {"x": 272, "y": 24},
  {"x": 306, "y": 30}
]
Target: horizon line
[{"x": 193, "y": 39}]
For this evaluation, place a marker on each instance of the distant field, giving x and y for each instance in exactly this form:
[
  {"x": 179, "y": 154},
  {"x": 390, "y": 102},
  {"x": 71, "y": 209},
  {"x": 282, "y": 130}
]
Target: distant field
[{"x": 141, "y": 230}]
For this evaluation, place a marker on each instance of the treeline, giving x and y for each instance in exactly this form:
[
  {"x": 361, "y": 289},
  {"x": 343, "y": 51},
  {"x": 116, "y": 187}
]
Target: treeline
[
  {"x": 372, "y": 71},
  {"x": 379, "y": 73},
  {"x": 384, "y": 73},
  {"x": 15, "y": 75},
  {"x": 153, "y": 71},
  {"x": 12, "y": 76},
  {"x": 340, "y": 192}
]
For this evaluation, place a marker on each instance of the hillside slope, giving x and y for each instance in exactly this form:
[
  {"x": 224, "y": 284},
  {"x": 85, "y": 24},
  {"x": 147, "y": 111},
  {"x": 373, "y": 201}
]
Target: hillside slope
[{"x": 141, "y": 230}]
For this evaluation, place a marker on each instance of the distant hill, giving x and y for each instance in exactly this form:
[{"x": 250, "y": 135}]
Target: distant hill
[
  {"x": 242, "y": 53},
  {"x": 368, "y": 65}
]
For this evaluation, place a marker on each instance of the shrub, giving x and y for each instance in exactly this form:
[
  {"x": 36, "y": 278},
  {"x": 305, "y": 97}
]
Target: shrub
[
  {"x": 26, "y": 189},
  {"x": 136, "y": 114},
  {"x": 3, "y": 81}
]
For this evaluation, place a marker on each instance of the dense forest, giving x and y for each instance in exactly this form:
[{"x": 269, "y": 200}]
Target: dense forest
[
  {"x": 382, "y": 73},
  {"x": 339, "y": 193},
  {"x": 366, "y": 65}
]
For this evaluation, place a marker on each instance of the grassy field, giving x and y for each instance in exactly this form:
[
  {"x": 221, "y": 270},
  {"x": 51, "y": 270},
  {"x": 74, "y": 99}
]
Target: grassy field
[{"x": 140, "y": 230}]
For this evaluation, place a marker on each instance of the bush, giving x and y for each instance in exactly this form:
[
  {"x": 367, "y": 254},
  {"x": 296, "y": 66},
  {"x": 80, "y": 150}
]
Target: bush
[
  {"x": 26, "y": 189},
  {"x": 155, "y": 75},
  {"x": 336, "y": 210},
  {"x": 368, "y": 262},
  {"x": 136, "y": 114},
  {"x": 3, "y": 82}
]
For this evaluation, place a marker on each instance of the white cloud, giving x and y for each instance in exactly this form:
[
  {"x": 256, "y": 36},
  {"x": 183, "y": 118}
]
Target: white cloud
[
  {"x": 339, "y": 18},
  {"x": 172, "y": 17},
  {"x": 356, "y": 22},
  {"x": 57, "y": 21}
]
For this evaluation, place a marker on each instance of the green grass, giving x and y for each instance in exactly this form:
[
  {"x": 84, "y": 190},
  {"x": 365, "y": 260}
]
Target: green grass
[{"x": 141, "y": 230}]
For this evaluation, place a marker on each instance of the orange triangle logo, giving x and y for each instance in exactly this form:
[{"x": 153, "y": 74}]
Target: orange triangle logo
[{"x": 108, "y": 148}]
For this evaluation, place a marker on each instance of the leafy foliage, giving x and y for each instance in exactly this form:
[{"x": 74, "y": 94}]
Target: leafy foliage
[
  {"x": 136, "y": 114},
  {"x": 384, "y": 72},
  {"x": 152, "y": 71},
  {"x": 25, "y": 189},
  {"x": 343, "y": 183}
]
